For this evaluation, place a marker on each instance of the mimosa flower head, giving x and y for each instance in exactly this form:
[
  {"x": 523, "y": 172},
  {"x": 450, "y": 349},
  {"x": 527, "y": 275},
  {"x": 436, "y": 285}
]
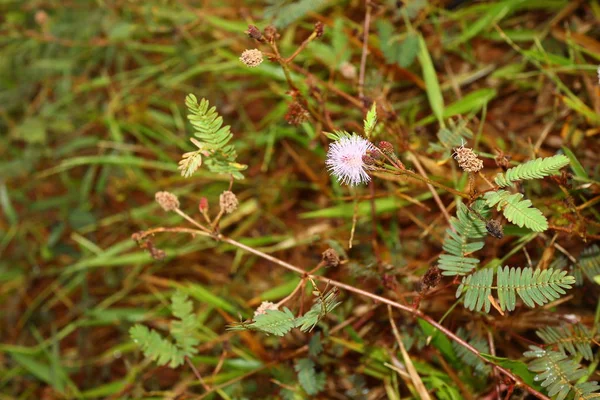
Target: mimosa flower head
[{"x": 345, "y": 160}]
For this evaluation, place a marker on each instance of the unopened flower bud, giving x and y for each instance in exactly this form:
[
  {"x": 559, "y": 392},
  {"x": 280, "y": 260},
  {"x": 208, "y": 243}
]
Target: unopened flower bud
[
  {"x": 254, "y": 33},
  {"x": 228, "y": 202},
  {"x": 368, "y": 160},
  {"x": 319, "y": 29},
  {"x": 387, "y": 148},
  {"x": 168, "y": 201},
  {"x": 252, "y": 58},
  {"x": 467, "y": 159},
  {"x": 264, "y": 307},
  {"x": 203, "y": 204}
]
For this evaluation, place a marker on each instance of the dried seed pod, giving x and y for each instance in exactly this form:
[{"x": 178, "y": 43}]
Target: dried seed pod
[
  {"x": 431, "y": 279},
  {"x": 494, "y": 228}
]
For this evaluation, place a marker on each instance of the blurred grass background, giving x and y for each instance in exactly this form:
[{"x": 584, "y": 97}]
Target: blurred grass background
[{"x": 92, "y": 125}]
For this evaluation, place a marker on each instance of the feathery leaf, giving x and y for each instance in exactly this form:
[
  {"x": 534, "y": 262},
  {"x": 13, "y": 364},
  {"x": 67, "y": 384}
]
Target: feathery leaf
[
  {"x": 534, "y": 169},
  {"x": 516, "y": 210}
]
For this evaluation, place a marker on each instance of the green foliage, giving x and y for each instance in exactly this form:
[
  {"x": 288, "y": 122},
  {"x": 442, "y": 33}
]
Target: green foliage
[
  {"x": 516, "y": 210},
  {"x": 272, "y": 322},
  {"x": 311, "y": 381},
  {"x": 279, "y": 323},
  {"x": 534, "y": 169},
  {"x": 453, "y": 135},
  {"x": 559, "y": 374},
  {"x": 470, "y": 358},
  {"x": 533, "y": 287},
  {"x": 573, "y": 339},
  {"x": 183, "y": 332},
  {"x": 219, "y": 156},
  {"x": 588, "y": 263},
  {"x": 324, "y": 305},
  {"x": 457, "y": 243},
  {"x": 337, "y": 135},
  {"x": 370, "y": 121},
  {"x": 398, "y": 52},
  {"x": 285, "y": 12},
  {"x": 315, "y": 347}
]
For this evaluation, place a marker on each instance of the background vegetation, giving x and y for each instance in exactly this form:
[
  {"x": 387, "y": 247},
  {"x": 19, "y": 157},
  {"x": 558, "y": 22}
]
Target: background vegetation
[{"x": 93, "y": 123}]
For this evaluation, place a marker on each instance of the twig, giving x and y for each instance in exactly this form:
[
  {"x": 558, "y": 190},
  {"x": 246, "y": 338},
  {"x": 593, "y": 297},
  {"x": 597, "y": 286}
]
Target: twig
[
  {"x": 365, "y": 48},
  {"x": 436, "y": 197},
  {"x": 349, "y": 288},
  {"x": 193, "y": 367}
]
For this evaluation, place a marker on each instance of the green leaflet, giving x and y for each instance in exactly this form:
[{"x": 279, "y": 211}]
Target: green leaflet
[
  {"x": 533, "y": 287},
  {"x": 518, "y": 211},
  {"x": 164, "y": 351},
  {"x": 534, "y": 169}
]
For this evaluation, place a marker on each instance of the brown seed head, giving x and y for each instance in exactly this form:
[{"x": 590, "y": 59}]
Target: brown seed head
[
  {"x": 467, "y": 159},
  {"x": 228, "y": 202},
  {"x": 168, "y": 201},
  {"x": 296, "y": 114},
  {"x": 331, "y": 258},
  {"x": 252, "y": 58}
]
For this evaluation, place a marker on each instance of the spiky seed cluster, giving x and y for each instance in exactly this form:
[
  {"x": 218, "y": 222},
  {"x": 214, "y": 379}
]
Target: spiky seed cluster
[
  {"x": 264, "y": 306},
  {"x": 467, "y": 159},
  {"x": 168, "y": 201},
  {"x": 228, "y": 202},
  {"x": 345, "y": 160},
  {"x": 252, "y": 58},
  {"x": 331, "y": 258},
  {"x": 296, "y": 114}
]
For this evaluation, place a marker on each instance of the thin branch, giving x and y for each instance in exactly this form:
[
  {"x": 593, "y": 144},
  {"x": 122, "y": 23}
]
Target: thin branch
[
  {"x": 377, "y": 298},
  {"x": 365, "y": 49}
]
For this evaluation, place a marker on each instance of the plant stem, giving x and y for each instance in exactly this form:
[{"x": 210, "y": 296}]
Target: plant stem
[{"x": 416, "y": 313}]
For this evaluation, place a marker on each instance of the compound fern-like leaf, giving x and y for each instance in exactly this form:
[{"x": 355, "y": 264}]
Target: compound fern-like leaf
[
  {"x": 162, "y": 350},
  {"x": 516, "y": 210},
  {"x": 458, "y": 241},
  {"x": 532, "y": 287},
  {"x": 573, "y": 339},
  {"x": 558, "y": 373},
  {"x": 212, "y": 142},
  {"x": 272, "y": 322},
  {"x": 534, "y": 169}
]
